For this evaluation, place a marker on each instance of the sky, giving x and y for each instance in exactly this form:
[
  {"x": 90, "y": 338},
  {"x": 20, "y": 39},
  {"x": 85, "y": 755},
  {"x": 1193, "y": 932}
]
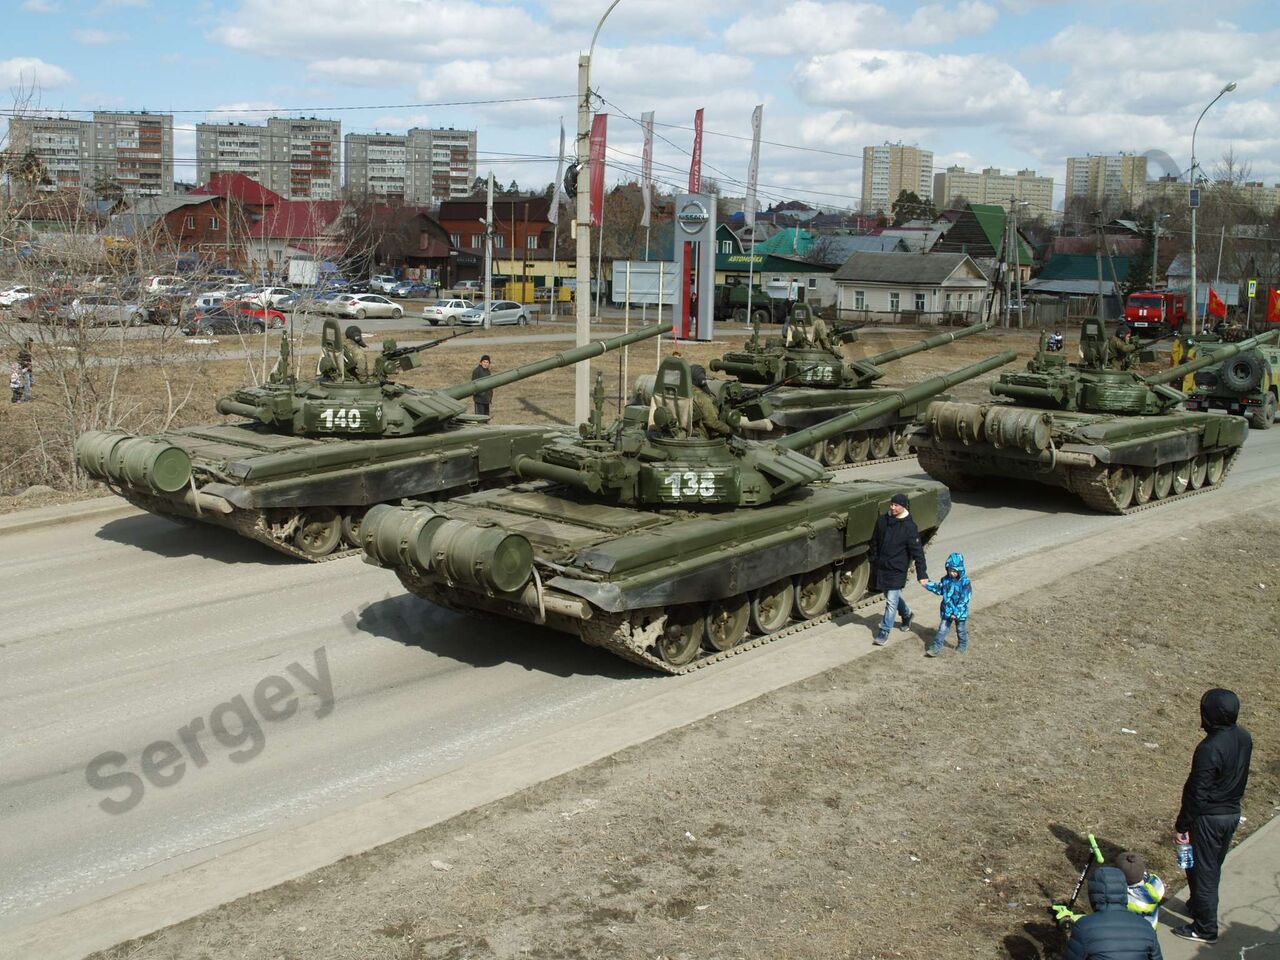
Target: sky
[{"x": 1006, "y": 83}]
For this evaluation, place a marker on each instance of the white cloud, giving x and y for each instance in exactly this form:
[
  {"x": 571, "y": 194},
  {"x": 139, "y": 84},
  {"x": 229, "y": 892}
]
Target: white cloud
[
  {"x": 244, "y": 111},
  {"x": 40, "y": 6},
  {"x": 94, "y": 38},
  {"x": 32, "y": 71},
  {"x": 938, "y": 23},
  {"x": 363, "y": 71}
]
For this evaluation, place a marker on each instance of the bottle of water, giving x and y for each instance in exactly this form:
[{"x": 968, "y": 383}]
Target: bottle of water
[{"x": 1186, "y": 859}]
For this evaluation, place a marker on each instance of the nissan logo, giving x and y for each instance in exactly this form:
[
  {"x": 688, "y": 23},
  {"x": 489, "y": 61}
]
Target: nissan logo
[{"x": 692, "y": 217}]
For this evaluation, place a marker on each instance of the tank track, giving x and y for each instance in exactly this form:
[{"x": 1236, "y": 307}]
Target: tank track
[
  {"x": 1091, "y": 487},
  {"x": 944, "y": 470},
  {"x": 252, "y": 525}
]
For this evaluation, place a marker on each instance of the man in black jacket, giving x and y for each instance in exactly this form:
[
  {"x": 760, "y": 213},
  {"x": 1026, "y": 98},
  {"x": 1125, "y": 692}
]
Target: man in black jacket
[
  {"x": 894, "y": 545},
  {"x": 1210, "y": 809},
  {"x": 1111, "y": 932},
  {"x": 484, "y": 397}
]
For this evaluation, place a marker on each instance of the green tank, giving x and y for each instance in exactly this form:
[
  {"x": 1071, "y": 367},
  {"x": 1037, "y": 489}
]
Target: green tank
[
  {"x": 314, "y": 454},
  {"x": 1117, "y": 440},
  {"x": 646, "y": 538},
  {"x": 809, "y": 381}
]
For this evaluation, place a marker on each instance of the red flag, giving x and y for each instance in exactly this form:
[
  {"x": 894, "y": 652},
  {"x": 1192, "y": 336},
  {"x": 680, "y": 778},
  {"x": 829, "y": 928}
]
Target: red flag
[
  {"x": 695, "y": 163},
  {"x": 1217, "y": 308},
  {"x": 596, "y": 145},
  {"x": 1273, "y": 306}
]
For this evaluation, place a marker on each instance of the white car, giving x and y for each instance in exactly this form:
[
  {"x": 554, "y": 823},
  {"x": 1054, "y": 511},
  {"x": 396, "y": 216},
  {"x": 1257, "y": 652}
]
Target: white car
[
  {"x": 160, "y": 284},
  {"x": 502, "y": 312},
  {"x": 383, "y": 283},
  {"x": 15, "y": 294},
  {"x": 445, "y": 311},
  {"x": 268, "y": 296},
  {"x": 361, "y": 305}
]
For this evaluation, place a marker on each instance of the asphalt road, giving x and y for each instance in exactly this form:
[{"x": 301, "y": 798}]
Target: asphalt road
[{"x": 134, "y": 637}]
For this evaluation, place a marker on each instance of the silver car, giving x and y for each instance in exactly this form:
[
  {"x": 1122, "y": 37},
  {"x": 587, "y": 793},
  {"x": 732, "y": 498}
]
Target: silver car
[
  {"x": 95, "y": 310},
  {"x": 445, "y": 311},
  {"x": 361, "y": 305},
  {"x": 502, "y": 312}
]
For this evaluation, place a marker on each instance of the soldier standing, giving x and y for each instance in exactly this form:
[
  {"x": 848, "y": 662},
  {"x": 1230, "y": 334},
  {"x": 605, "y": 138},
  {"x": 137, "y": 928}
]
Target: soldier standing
[
  {"x": 1122, "y": 348},
  {"x": 706, "y": 414},
  {"x": 354, "y": 364},
  {"x": 484, "y": 397}
]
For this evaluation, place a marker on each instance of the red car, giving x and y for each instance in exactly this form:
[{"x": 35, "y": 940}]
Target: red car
[{"x": 274, "y": 317}]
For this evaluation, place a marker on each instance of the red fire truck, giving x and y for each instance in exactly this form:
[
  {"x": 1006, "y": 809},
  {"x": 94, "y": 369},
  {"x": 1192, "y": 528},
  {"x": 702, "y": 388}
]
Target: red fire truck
[{"x": 1155, "y": 313}]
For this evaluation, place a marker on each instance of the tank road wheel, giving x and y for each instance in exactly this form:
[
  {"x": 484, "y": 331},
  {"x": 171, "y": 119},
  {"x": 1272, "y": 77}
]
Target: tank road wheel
[
  {"x": 1120, "y": 485},
  {"x": 727, "y": 622},
  {"x": 1199, "y": 468},
  {"x": 682, "y": 635},
  {"x": 834, "y": 451},
  {"x": 351, "y": 526},
  {"x": 1181, "y": 477},
  {"x": 813, "y": 593},
  {"x": 319, "y": 531},
  {"x": 859, "y": 446},
  {"x": 1163, "y": 480},
  {"x": 880, "y": 442},
  {"x": 852, "y": 579},
  {"x": 1215, "y": 467},
  {"x": 1144, "y": 484},
  {"x": 771, "y": 606},
  {"x": 898, "y": 442},
  {"x": 814, "y": 451}
]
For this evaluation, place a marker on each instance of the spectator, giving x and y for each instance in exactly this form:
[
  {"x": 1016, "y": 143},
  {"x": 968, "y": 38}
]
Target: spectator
[
  {"x": 1210, "y": 809},
  {"x": 895, "y": 543},
  {"x": 1111, "y": 932},
  {"x": 22, "y": 375},
  {"x": 484, "y": 397},
  {"x": 1146, "y": 890},
  {"x": 955, "y": 590}
]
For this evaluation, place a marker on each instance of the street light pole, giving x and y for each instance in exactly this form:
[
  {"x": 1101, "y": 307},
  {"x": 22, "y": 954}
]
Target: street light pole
[
  {"x": 1195, "y": 310},
  {"x": 582, "y": 265},
  {"x": 1155, "y": 249}
]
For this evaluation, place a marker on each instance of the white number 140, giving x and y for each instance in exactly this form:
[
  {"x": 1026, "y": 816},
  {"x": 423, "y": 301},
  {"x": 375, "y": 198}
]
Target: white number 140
[{"x": 341, "y": 418}]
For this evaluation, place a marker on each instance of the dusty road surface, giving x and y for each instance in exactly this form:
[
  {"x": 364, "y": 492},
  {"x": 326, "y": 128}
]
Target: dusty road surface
[{"x": 891, "y": 807}]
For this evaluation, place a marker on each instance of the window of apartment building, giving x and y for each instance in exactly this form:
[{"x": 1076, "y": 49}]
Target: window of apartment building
[
  {"x": 477, "y": 239},
  {"x": 920, "y": 303},
  {"x": 531, "y": 243},
  {"x": 895, "y": 301},
  {"x": 190, "y": 223},
  {"x": 455, "y": 239},
  {"x": 859, "y": 299},
  {"x": 499, "y": 242}
]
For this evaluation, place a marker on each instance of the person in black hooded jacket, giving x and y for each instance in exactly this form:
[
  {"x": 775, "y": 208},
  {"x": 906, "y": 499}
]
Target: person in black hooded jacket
[
  {"x": 1112, "y": 931},
  {"x": 1210, "y": 809}
]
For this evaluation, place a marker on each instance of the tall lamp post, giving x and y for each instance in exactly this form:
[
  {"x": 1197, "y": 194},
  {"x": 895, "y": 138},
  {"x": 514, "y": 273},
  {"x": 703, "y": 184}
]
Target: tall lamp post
[
  {"x": 582, "y": 266},
  {"x": 1194, "y": 198}
]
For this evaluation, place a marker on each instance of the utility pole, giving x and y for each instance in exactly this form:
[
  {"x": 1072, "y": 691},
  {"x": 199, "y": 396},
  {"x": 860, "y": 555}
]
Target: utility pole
[
  {"x": 488, "y": 254},
  {"x": 1097, "y": 223}
]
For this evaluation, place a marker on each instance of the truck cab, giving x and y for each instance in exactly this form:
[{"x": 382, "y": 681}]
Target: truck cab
[{"x": 1155, "y": 313}]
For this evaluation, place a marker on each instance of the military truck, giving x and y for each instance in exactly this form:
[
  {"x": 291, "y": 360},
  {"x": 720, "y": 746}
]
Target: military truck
[
  {"x": 313, "y": 454},
  {"x": 1247, "y": 384},
  {"x": 731, "y": 304},
  {"x": 655, "y": 540}
]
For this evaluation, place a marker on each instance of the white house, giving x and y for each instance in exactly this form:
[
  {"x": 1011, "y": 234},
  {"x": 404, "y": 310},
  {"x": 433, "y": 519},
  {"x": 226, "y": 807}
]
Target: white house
[{"x": 910, "y": 283}]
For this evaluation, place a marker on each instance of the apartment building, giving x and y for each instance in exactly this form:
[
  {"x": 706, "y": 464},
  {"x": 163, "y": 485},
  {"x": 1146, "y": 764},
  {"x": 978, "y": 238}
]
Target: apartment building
[
  {"x": 131, "y": 150},
  {"x": 296, "y": 157},
  {"x": 889, "y": 169},
  {"x": 377, "y": 165},
  {"x": 230, "y": 148},
  {"x": 991, "y": 186},
  {"x": 1170, "y": 192},
  {"x": 441, "y": 164},
  {"x": 1119, "y": 178}
]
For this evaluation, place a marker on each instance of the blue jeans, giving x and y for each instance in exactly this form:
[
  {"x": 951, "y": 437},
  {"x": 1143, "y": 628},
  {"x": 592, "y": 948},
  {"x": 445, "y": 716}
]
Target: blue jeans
[
  {"x": 962, "y": 634},
  {"x": 893, "y": 605}
]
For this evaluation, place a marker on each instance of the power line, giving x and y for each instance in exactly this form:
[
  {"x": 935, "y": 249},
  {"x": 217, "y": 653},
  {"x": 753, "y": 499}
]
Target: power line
[{"x": 278, "y": 110}]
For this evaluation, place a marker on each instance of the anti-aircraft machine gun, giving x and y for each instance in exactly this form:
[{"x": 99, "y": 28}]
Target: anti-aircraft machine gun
[{"x": 659, "y": 544}]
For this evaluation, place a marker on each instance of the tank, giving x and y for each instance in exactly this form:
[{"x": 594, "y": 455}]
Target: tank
[
  {"x": 648, "y": 539},
  {"x": 314, "y": 454},
  {"x": 1117, "y": 440},
  {"x": 807, "y": 384}
]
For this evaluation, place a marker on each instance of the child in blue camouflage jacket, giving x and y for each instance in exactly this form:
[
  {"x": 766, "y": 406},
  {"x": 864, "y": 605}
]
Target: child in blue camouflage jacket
[{"x": 955, "y": 590}]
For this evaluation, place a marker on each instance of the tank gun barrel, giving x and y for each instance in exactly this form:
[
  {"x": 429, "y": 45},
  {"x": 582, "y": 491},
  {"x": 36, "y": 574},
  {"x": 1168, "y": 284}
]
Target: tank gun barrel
[
  {"x": 928, "y": 344},
  {"x": 1224, "y": 352},
  {"x": 921, "y": 391},
  {"x": 463, "y": 390}
]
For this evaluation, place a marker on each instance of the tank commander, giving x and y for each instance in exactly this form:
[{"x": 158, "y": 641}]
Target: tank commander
[
  {"x": 1122, "y": 348},
  {"x": 806, "y": 330},
  {"x": 707, "y": 422},
  {"x": 354, "y": 364}
]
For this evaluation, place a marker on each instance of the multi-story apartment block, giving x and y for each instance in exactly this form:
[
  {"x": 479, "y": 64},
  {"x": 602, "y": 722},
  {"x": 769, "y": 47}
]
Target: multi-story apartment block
[
  {"x": 992, "y": 186},
  {"x": 377, "y": 165},
  {"x": 131, "y": 150},
  {"x": 1170, "y": 192},
  {"x": 303, "y": 158},
  {"x": 889, "y": 169},
  {"x": 230, "y": 148},
  {"x": 441, "y": 165},
  {"x": 1118, "y": 179}
]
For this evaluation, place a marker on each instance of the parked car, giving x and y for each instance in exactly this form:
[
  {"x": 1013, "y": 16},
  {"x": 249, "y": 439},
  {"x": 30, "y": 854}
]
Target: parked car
[
  {"x": 271, "y": 316},
  {"x": 383, "y": 283},
  {"x": 445, "y": 311},
  {"x": 202, "y": 304},
  {"x": 502, "y": 312},
  {"x": 316, "y": 301},
  {"x": 359, "y": 286},
  {"x": 361, "y": 305},
  {"x": 161, "y": 284},
  {"x": 103, "y": 310},
  {"x": 469, "y": 286},
  {"x": 224, "y": 322},
  {"x": 268, "y": 296},
  {"x": 411, "y": 289},
  {"x": 14, "y": 294}
]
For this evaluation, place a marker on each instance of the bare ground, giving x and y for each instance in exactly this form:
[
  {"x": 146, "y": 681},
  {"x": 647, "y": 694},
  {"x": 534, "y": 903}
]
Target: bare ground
[{"x": 893, "y": 807}]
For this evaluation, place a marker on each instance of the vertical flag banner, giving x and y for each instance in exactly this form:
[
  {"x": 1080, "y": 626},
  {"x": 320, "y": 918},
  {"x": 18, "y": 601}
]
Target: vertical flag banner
[
  {"x": 599, "y": 132},
  {"x": 753, "y": 171},
  {"x": 695, "y": 164},
  {"x": 646, "y": 165},
  {"x": 1217, "y": 307},
  {"x": 1273, "y": 306},
  {"x": 557, "y": 196}
]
